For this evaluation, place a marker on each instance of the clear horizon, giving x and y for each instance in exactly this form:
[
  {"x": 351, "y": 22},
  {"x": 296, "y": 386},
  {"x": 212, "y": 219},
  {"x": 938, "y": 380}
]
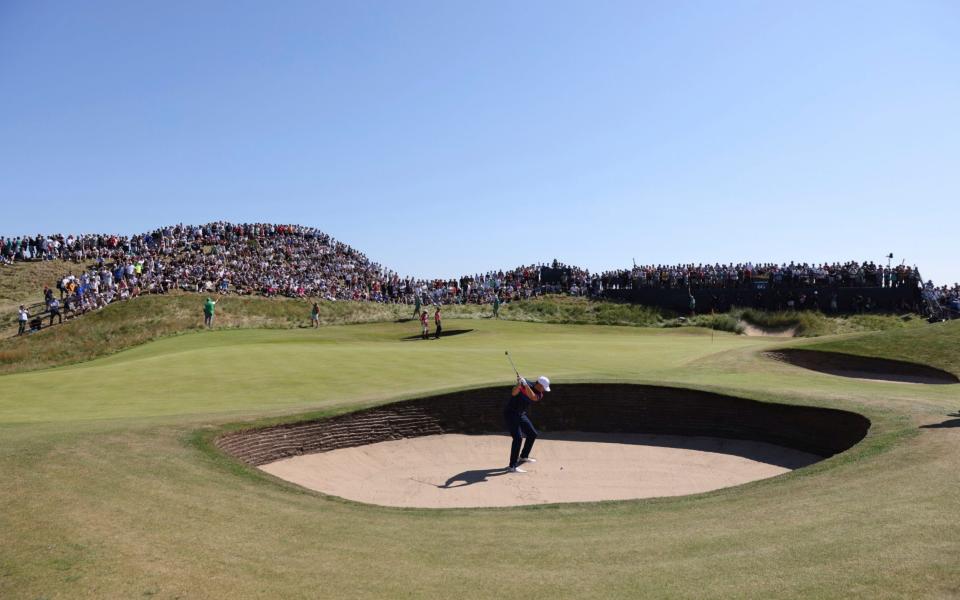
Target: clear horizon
[{"x": 444, "y": 139}]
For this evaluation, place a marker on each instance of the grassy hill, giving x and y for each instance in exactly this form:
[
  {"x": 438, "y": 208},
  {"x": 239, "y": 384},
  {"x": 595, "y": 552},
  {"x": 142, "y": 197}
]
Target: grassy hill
[
  {"x": 22, "y": 283},
  {"x": 815, "y": 323}
]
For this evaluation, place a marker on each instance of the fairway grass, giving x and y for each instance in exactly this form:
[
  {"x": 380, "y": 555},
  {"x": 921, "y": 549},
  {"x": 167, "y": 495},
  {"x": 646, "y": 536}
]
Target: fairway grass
[{"x": 112, "y": 489}]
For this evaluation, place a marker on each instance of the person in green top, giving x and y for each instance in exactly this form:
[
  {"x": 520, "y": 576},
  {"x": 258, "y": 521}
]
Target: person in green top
[
  {"x": 315, "y": 315},
  {"x": 416, "y": 306},
  {"x": 208, "y": 307},
  {"x": 496, "y": 307}
]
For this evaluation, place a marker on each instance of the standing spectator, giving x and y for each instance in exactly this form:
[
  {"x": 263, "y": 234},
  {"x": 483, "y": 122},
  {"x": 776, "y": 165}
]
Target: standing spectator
[
  {"x": 315, "y": 315},
  {"x": 208, "y": 308},
  {"x": 436, "y": 321},
  {"x": 496, "y": 307},
  {"x": 416, "y": 306},
  {"x": 55, "y": 311},
  {"x": 425, "y": 329},
  {"x": 23, "y": 317}
]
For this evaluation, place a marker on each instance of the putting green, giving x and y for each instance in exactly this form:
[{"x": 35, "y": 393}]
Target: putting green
[{"x": 111, "y": 488}]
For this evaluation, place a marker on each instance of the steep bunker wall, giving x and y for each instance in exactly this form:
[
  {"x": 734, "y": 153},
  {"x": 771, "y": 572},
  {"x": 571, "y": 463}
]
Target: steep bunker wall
[
  {"x": 598, "y": 408},
  {"x": 862, "y": 367}
]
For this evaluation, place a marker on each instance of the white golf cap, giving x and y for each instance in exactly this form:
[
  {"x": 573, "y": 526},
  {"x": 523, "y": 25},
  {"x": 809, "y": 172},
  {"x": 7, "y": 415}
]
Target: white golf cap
[{"x": 544, "y": 382}]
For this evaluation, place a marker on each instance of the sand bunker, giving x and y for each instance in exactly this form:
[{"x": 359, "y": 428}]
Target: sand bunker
[
  {"x": 457, "y": 470},
  {"x": 757, "y": 331},
  {"x": 862, "y": 367},
  {"x": 613, "y": 441}
]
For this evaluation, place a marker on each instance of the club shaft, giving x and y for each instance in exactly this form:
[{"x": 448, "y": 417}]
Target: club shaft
[{"x": 512, "y": 365}]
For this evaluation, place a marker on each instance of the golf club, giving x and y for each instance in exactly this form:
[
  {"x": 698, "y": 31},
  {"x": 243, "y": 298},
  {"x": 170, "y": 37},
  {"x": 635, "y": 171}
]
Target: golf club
[{"x": 507, "y": 352}]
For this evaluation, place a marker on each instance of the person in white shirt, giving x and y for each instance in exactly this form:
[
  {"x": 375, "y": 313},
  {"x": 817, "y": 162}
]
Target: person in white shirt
[{"x": 23, "y": 318}]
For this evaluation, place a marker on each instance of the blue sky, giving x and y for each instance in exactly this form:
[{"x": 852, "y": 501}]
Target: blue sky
[{"x": 452, "y": 137}]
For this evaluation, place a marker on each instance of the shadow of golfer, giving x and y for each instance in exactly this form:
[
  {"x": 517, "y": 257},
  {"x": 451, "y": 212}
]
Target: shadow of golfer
[
  {"x": 472, "y": 477},
  {"x": 949, "y": 423},
  {"x": 446, "y": 333}
]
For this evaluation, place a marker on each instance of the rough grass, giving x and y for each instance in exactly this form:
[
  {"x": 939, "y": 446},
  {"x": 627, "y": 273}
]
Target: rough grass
[
  {"x": 719, "y": 322},
  {"x": 22, "y": 283},
  {"x": 815, "y": 323},
  {"x": 568, "y": 310},
  {"x": 109, "y": 492}
]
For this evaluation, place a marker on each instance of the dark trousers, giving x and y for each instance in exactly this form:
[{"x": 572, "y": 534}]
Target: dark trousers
[
  {"x": 520, "y": 427},
  {"x": 23, "y": 327},
  {"x": 437, "y": 336}
]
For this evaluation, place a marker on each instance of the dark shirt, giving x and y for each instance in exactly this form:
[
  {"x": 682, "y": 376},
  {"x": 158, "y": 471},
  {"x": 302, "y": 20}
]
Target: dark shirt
[{"x": 520, "y": 404}]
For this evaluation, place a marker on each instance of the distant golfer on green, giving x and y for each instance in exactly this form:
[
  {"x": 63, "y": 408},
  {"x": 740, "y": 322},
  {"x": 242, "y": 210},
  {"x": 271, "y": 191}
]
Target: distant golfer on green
[
  {"x": 315, "y": 315},
  {"x": 208, "y": 308},
  {"x": 496, "y": 307}
]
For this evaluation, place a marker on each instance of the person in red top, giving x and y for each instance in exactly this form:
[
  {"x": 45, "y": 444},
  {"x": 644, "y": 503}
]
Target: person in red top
[
  {"x": 423, "y": 323},
  {"x": 436, "y": 321}
]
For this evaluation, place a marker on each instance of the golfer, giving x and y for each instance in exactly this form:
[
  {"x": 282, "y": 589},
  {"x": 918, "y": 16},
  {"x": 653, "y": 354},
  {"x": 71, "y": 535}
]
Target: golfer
[
  {"x": 518, "y": 423},
  {"x": 315, "y": 315}
]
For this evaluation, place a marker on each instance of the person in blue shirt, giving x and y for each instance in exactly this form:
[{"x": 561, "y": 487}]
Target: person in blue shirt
[{"x": 518, "y": 422}]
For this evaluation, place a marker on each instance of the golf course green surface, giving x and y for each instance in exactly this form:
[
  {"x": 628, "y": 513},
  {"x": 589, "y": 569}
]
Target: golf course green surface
[{"x": 111, "y": 486}]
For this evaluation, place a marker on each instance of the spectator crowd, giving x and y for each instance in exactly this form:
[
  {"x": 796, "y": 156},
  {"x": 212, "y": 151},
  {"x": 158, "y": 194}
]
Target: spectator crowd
[
  {"x": 700, "y": 276},
  {"x": 945, "y": 297},
  {"x": 296, "y": 261}
]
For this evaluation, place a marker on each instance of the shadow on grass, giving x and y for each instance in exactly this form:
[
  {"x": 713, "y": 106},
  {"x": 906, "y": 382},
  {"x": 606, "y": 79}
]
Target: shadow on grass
[
  {"x": 948, "y": 424},
  {"x": 443, "y": 334}
]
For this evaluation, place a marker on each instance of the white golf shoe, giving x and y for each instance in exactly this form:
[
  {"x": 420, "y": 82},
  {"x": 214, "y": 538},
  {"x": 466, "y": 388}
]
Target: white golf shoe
[
  {"x": 516, "y": 470},
  {"x": 527, "y": 460}
]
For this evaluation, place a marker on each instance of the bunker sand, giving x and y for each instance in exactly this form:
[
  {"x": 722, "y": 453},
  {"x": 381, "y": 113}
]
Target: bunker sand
[{"x": 456, "y": 470}]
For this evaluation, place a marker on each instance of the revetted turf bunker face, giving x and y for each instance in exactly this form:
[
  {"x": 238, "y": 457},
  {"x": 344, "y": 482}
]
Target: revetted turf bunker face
[
  {"x": 601, "y": 408},
  {"x": 862, "y": 367}
]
